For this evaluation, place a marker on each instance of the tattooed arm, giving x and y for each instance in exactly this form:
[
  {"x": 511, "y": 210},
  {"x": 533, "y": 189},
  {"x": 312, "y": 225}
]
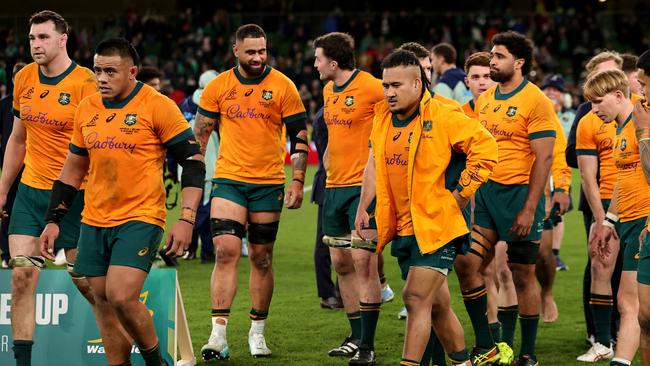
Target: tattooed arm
[
  {"x": 203, "y": 126},
  {"x": 298, "y": 136}
]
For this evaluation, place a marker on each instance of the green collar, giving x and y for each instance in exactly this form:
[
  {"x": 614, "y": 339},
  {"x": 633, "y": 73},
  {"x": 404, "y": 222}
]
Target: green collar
[
  {"x": 471, "y": 105},
  {"x": 403, "y": 123},
  {"x": 43, "y": 79},
  {"x": 499, "y": 96},
  {"x": 620, "y": 127},
  {"x": 338, "y": 89},
  {"x": 253, "y": 81},
  {"x": 125, "y": 101}
]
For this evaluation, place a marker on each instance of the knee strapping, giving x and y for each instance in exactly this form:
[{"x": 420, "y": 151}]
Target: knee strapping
[
  {"x": 522, "y": 252},
  {"x": 262, "y": 233},
  {"x": 26, "y": 261},
  {"x": 227, "y": 227}
]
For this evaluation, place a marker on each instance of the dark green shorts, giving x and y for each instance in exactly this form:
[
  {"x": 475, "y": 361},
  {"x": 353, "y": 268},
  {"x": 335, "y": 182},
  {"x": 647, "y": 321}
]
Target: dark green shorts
[
  {"x": 340, "y": 210},
  {"x": 629, "y": 234},
  {"x": 407, "y": 252},
  {"x": 132, "y": 244},
  {"x": 643, "y": 271},
  {"x": 255, "y": 197},
  {"x": 497, "y": 205},
  {"x": 28, "y": 216}
]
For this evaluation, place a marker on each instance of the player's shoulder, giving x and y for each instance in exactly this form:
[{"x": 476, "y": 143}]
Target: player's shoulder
[
  {"x": 93, "y": 101},
  {"x": 29, "y": 72},
  {"x": 487, "y": 95},
  {"x": 83, "y": 73},
  {"x": 154, "y": 98}
]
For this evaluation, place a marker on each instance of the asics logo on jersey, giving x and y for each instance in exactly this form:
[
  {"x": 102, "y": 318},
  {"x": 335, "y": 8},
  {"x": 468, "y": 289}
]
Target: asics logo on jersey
[
  {"x": 110, "y": 118},
  {"x": 44, "y": 94},
  {"x": 397, "y": 136},
  {"x": 143, "y": 251},
  {"x": 496, "y": 108},
  {"x": 248, "y": 92},
  {"x": 336, "y": 99}
]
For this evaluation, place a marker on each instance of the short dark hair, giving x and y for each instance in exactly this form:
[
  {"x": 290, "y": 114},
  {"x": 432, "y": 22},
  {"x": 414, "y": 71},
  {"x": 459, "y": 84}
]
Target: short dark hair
[
  {"x": 120, "y": 47},
  {"x": 419, "y": 50},
  {"x": 148, "y": 73},
  {"x": 249, "y": 31},
  {"x": 643, "y": 62},
  {"x": 517, "y": 44},
  {"x": 401, "y": 57},
  {"x": 43, "y": 16},
  {"x": 629, "y": 62},
  {"x": 447, "y": 51},
  {"x": 477, "y": 59},
  {"x": 339, "y": 47},
  {"x": 17, "y": 67}
]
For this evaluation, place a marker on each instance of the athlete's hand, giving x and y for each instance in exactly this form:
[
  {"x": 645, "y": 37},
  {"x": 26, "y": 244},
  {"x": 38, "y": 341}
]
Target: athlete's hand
[
  {"x": 179, "y": 239},
  {"x": 642, "y": 237},
  {"x": 522, "y": 224},
  {"x": 293, "y": 199},
  {"x": 46, "y": 241},
  {"x": 562, "y": 199},
  {"x": 361, "y": 223},
  {"x": 3, "y": 202},
  {"x": 641, "y": 115},
  {"x": 462, "y": 202},
  {"x": 600, "y": 239}
]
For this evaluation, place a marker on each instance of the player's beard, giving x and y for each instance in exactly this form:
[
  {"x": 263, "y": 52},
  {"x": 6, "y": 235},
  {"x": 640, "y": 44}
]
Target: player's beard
[
  {"x": 501, "y": 76},
  {"x": 254, "y": 72}
]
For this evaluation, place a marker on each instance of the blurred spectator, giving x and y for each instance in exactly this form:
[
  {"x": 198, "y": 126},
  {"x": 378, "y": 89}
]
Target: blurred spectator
[
  {"x": 189, "y": 107},
  {"x": 630, "y": 69},
  {"x": 554, "y": 88},
  {"x": 151, "y": 76},
  {"x": 451, "y": 80}
]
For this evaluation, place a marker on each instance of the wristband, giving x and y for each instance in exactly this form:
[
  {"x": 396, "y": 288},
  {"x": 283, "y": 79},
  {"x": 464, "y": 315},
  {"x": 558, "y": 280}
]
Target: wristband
[
  {"x": 642, "y": 134},
  {"x": 188, "y": 215},
  {"x": 612, "y": 217},
  {"x": 608, "y": 223}
]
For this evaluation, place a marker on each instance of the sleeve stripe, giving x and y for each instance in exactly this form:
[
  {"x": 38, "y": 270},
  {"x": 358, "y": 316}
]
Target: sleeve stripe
[
  {"x": 78, "y": 150},
  {"x": 541, "y": 134},
  {"x": 586, "y": 152},
  {"x": 295, "y": 117},
  {"x": 180, "y": 137},
  {"x": 207, "y": 113},
  {"x": 16, "y": 112}
]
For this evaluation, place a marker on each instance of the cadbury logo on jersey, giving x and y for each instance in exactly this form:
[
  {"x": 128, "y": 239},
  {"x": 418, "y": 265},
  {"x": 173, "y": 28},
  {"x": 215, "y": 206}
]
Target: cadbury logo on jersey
[
  {"x": 93, "y": 141},
  {"x": 26, "y": 115}
]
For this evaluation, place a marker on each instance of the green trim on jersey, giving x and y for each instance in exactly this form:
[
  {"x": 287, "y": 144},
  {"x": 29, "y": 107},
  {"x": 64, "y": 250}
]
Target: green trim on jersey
[
  {"x": 47, "y": 80},
  {"x": 118, "y": 105},
  {"x": 500, "y": 96},
  {"x": 338, "y": 89}
]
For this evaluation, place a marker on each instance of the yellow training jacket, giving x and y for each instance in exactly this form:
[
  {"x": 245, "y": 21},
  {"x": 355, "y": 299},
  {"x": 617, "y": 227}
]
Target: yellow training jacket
[{"x": 439, "y": 129}]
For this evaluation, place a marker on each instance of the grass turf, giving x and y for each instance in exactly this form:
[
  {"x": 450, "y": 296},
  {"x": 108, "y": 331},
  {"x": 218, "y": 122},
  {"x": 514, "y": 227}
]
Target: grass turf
[{"x": 299, "y": 332}]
